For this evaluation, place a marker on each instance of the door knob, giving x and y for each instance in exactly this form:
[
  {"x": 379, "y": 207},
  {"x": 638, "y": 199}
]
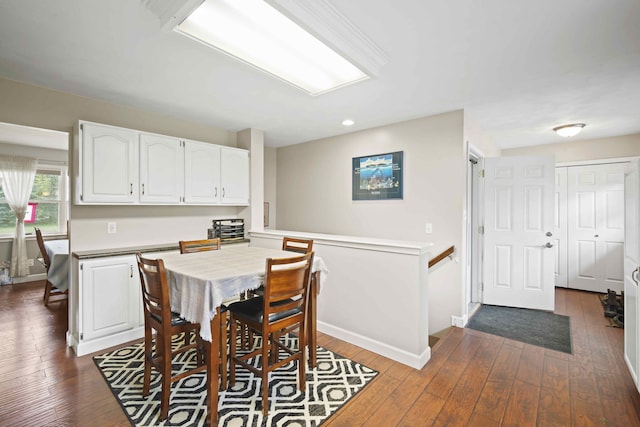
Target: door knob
[
  {"x": 596, "y": 235},
  {"x": 548, "y": 245},
  {"x": 549, "y": 234}
]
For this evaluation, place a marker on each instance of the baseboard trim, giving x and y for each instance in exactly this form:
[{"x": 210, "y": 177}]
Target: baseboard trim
[{"x": 416, "y": 361}]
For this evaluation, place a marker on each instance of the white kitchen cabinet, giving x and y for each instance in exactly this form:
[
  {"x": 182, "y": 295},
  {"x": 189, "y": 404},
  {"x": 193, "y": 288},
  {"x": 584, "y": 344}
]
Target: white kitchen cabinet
[
  {"x": 202, "y": 173},
  {"x": 108, "y": 169},
  {"x": 234, "y": 176},
  {"x": 125, "y": 166},
  {"x": 110, "y": 303},
  {"x": 161, "y": 169}
]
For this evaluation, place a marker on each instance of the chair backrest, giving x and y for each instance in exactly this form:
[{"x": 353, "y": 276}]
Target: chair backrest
[
  {"x": 286, "y": 285},
  {"x": 188, "y": 246},
  {"x": 155, "y": 292},
  {"x": 43, "y": 250},
  {"x": 303, "y": 246}
]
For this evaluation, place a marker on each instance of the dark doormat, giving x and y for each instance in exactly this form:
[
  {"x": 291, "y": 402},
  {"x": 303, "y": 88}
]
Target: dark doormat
[{"x": 536, "y": 327}]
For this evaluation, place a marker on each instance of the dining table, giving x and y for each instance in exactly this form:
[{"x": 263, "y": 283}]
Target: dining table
[
  {"x": 200, "y": 282},
  {"x": 58, "y": 253}
]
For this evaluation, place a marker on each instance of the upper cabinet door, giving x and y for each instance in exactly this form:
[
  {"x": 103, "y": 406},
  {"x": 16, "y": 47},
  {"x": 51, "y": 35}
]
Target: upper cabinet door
[
  {"x": 161, "y": 169},
  {"x": 234, "y": 176},
  {"x": 202, "y": 173},
  {"x": 108, "y": 168}
]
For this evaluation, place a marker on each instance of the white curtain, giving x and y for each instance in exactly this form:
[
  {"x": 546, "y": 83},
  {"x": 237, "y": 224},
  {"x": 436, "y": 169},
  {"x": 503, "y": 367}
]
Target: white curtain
[{"x": 17, "y": 175}]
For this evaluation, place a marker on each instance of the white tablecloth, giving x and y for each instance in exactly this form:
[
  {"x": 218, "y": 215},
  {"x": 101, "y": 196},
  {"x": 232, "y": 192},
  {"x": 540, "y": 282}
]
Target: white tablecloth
[
  {"x": 58, "y": 252},
  {"x": 199, "y": 282}
]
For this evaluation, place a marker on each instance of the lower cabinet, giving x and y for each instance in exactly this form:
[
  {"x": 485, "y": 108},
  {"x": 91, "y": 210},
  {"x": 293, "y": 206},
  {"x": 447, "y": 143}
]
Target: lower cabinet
[{"x": 110, "y": 306}]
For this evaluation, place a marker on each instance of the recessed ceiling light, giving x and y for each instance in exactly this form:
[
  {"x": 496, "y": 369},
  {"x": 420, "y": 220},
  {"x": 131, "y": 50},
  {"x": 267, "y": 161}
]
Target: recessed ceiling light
[
  {"x": 569, "y": 130},
  {"x": 348, "y": 122},
  {"x": 258, "y": 34}
]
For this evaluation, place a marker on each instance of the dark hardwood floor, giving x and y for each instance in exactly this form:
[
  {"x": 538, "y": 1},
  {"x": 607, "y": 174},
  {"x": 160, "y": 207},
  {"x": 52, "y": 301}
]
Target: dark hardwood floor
[{"x": 473, "y": 379}]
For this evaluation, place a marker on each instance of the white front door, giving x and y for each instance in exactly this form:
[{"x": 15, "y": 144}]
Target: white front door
[
  {"x": 518, "y": 225},
  {"x": 632, "y": 267},
  {"x": 596, "y": 227}
]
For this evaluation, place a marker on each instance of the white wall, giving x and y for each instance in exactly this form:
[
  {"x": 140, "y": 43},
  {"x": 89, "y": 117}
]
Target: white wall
[{"x": 314, "y": 194}]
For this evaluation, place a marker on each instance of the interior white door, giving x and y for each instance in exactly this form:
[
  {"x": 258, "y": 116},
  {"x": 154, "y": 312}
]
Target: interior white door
[
  {"x": 596, "y": 227},
  {"x": 632, "y": 267},
  {"x": 518, "y": 255}
]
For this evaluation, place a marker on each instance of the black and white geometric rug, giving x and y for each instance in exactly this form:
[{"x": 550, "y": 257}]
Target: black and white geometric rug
[{"x": 330, "y": 385}]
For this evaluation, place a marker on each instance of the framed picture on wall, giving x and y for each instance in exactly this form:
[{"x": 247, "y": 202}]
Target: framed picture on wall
[{"x": 377, "y": 177}]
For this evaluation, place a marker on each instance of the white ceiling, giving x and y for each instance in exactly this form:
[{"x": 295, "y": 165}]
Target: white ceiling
[{"x": 518, "y": 68}]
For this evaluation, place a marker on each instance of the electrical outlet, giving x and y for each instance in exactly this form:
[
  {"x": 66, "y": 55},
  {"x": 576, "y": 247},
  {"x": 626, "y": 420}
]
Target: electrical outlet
[
  {"x": 428, "y": 228},
  {"x": 111, "y": 227},
  {"x": 30, "y": 262}
]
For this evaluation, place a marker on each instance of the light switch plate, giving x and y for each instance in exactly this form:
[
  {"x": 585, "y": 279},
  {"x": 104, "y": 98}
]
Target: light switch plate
[
  {"x": 428, "y": 228},
  {"x": 111, "y": 227}
]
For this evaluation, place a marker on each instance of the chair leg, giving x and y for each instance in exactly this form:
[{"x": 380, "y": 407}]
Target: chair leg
[
  {"x": 233, "y": 333},
  {"x": 47, "y": 292},
  {"x": 165, "y": 344},
  {"x": 265, "y": 375},
  {"x": 302, "y": 364},
  {"x": 223, "y": 349},
  {"x": 148, "y": 354}
]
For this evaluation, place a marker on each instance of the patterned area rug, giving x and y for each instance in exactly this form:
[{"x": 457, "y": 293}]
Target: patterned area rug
[{"x": 334, "y": 381}]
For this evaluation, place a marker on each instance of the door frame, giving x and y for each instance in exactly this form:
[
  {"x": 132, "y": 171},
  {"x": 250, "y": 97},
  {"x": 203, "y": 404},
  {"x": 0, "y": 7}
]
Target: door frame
[
  {"x": 564, "y": 233},
  {"x": 472, "y": 295}
]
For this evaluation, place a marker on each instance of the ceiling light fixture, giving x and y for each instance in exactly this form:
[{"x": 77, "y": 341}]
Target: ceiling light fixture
[
  {"x": 258, "y": 34},
  {"x": 569, "y": 130},
  {"x": 348, "y": 122}
]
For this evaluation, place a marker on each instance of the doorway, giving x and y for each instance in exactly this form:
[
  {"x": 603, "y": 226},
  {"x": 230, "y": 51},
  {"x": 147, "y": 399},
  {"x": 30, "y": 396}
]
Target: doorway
[{"x": 473, "y": 292}]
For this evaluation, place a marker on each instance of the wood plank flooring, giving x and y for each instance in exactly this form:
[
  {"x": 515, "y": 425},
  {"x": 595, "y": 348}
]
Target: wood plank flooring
[{"x": 472, "y": 379}]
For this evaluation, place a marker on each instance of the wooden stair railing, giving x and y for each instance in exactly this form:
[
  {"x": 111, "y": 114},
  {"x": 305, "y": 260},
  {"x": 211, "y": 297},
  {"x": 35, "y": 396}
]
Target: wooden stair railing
[{"x": 442, "y": 255}]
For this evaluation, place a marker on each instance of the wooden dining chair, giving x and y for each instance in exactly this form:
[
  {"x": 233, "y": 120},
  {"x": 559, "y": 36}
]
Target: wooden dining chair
[
  {"x": 51, "y": 293},
  {"x": 159, "y": 318},
  {"x": 282, "y": 308},
  {"x": 293, "y": 244},
  {"x": 189, "y": 246}
]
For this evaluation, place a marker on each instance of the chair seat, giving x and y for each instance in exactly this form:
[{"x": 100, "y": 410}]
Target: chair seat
[{"x": 251, "y": 310}]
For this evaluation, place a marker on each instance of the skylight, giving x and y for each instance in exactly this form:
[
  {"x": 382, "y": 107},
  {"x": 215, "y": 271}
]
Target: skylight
[{"x": 258, "y": 34}]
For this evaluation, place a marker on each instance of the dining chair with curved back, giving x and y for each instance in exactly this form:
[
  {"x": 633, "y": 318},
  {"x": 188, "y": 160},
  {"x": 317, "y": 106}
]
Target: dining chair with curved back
[
  {"x": 51, "y": 293},
  {"x": 190, "y": 246},
  {"x": 282, "y": 307},
  {"x": 290, "y": 244},
  {"x": 294, "y": 244},
  {"x": 193, "y": 246},
  {"x": 166, "y": 324}
]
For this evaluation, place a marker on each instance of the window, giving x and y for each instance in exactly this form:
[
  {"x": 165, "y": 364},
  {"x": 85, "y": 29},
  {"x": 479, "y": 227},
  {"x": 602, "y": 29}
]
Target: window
[{"x": 49, "y": 194}]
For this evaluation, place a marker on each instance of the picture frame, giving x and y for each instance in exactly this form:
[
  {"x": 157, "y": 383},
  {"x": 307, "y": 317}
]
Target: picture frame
[{"x": 377, "y": 176}]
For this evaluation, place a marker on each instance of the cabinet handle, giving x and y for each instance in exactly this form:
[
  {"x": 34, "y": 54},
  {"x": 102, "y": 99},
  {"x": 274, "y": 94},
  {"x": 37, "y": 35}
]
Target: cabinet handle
[
  {"x": 634, "y": 275},
  {"x": 143, "y": 189},
  {"x": 131, "y": 189},
  {"x": 131, "y": 271},
  {"x": 215, "y": 191},
  {"x": 222, "y": 191}
]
